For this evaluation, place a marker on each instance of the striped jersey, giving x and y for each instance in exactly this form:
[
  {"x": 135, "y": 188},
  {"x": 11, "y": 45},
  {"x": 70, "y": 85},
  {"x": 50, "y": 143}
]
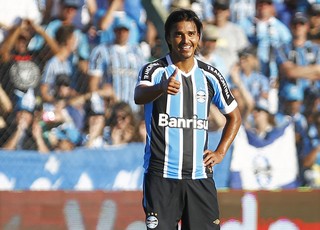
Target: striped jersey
[
  {"x": 53, "y": 68},
  {"x": 304, "y": 55},
  {"x": 118, "y": 66},
  {"x": 177, "y": 125}
]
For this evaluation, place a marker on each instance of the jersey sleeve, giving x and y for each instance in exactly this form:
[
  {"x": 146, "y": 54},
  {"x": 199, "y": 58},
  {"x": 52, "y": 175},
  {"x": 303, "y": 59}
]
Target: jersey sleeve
[
  {"x": 151, "y": 74},
  {"x": 97, "y": 62},
  {"x": 222, "y": 96}
]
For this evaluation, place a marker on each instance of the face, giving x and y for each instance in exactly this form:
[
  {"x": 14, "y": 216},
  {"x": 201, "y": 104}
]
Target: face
[
  {"x": 300, "y": 29},
  {"x": 260, "y": 116},
  {"x": 184, "y": 40},
  {"x": 123, "y": 119},
  {"x": 68, "y": 14},
  {"x": 122, "y": 36},
  {"x": 64, "y": 91},
  {"x": 315, "y": 20},
  {"x": 293, "y": 107},
  {"x": 21, "y": 46},
  {"x": 247, "y": 62},
  {"x": 221, "y": 14},
  {"x": 265, "y": 10},
  {"x": 208, "y": 46}
]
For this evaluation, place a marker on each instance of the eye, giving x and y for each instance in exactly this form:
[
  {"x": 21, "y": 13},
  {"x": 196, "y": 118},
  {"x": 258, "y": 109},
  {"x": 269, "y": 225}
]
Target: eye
[{"x": 177, "y": 34}]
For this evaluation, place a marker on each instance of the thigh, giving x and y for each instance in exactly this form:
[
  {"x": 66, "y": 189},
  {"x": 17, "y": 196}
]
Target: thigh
[
  {"x": 162, "y": 202},
  {"x": 201, "y": 210}
]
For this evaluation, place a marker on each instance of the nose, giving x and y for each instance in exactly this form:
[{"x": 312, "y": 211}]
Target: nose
[{"x": 185, "y": 38}]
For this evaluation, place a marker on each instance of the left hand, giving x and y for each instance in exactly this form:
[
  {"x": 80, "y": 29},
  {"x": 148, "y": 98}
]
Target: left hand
[{"x": 212, "y": 158}]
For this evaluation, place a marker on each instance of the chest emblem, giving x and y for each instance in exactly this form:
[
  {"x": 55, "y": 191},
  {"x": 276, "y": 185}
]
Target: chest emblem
[{"x": 201, "y": 96}]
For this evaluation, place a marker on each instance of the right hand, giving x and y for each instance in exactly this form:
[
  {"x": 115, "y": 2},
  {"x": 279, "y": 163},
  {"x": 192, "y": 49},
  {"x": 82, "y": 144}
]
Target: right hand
[{"x": 171, "y": 85}]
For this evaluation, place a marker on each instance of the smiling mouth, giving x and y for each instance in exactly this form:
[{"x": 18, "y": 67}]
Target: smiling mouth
[{"x": 186, "y": 48}]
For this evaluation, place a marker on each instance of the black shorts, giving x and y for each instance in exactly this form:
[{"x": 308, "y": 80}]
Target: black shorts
[{"x": 192, "y": 203}]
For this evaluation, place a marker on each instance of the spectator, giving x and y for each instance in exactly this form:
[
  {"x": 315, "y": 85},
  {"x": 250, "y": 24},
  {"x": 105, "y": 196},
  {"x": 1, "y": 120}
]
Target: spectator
[
  {"x": 68, "y": 12},
  {"x": 247, "y": 83},
  {"x": 95, "y": 120},
  {"x": 263, "y": 119},
  {"x": 267, "y": 33},
  {"x": 59, "y": 63},
  {"x": 293, "y": 106},
  {"x": 20, "y": 66},
  {"x": 311, "y": 103},
  {"x": 25, "y": 132},
  {"x": 311, "y": 159},
  {"x": 115, "y": 67},
  {"x": 121, "y": 125},
  {"x": 299, "y": 61},
  {"x": 94, "y": 130},
  {"x": 314, "y": 31},
  {"x": 64, "y": 108},
  {"x": 207, "y": 53},
  {"x": 232, "y": 38}
]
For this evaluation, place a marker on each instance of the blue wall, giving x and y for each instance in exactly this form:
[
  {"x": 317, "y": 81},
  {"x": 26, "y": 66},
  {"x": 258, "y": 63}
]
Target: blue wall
[{"x": 114, "y": 168}]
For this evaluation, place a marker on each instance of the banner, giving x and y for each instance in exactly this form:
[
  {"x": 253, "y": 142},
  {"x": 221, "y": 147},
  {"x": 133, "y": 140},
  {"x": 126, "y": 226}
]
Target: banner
[
  {"x": 113, "y": 168},
  {"x": 269, "y": 163}
]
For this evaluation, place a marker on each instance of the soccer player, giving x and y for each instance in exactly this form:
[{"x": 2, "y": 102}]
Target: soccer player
[{"x": 177, "y": 91}]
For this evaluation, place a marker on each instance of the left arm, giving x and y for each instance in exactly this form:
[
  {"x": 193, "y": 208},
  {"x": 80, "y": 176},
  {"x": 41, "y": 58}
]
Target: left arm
[{"x": 230, "y": 130}]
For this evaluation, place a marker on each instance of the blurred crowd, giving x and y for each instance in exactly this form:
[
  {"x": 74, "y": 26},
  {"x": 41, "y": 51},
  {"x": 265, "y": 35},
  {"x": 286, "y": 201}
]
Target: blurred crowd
[{"x": 68, "y": 69}]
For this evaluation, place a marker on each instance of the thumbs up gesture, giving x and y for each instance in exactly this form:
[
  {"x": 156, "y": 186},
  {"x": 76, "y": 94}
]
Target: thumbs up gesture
[{"x": 171, "y": 85}]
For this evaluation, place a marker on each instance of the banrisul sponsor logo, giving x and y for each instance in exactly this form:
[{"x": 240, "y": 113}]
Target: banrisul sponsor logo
[{"x": 177, "y": 122}]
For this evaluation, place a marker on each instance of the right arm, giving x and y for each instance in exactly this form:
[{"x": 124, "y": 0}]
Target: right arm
[
  {"x": 5, "y": 101},
  {"x": 49, "y": 40},
  {"x": 293, "y": 71},
  {"x": 8, "y": 44},
  {"x": 107, "y": 19},
  {"x": 144, "y": 94}
]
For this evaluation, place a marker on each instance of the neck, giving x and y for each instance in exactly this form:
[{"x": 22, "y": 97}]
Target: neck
[
  {"x": 221, "y": 23},
  {"x": 63, "y": 54},
  {"x": 183, "y": 64},
  {"x": 247, "y": 71},
  {"x": 299, "y": 41}
]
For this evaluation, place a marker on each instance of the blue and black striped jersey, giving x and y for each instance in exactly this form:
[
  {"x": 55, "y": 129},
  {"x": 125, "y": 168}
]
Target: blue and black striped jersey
[{"x": 177, "y": 125}]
